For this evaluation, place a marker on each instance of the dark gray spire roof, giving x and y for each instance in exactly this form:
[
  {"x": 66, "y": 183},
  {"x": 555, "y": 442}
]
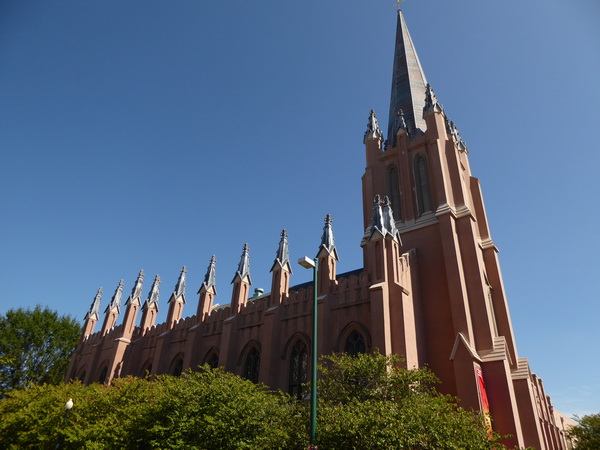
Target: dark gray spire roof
[
  {"x": 95, "y": 306},
  {"x": 136, "y": 292},
  {"x": 115, "y": 303},
  {"x": 153, "y": 294},
  {"x": 327, "y": 241},
  {"x": 388, "y": 219},
  {"x": 373, "y": 130},
  {"x": 383, "y": 221},
  {"x": 244, "y": 265},
  {"x": 180, "y": 286},
  {"x": 210, "y": 277},
  {"x": 408, "y": 83},
  {"x": 282, "y": 258}
]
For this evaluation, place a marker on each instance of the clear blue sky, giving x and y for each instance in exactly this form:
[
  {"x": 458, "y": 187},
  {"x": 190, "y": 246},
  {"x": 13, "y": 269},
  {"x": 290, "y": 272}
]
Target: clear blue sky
[{"x": 151, "y": 135}]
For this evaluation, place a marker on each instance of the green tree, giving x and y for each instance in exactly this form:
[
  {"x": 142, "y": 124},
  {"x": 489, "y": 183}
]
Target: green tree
[
  {"x": 370, "y": 401},
  {"x": 35, "y": 347},
  {"x": 209, "y": 409},
  {"x": 586, "y": 433}
]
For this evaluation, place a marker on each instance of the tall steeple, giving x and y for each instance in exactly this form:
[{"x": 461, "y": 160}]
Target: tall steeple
[
  {"x": 327, "y": 257},
  {"x": 408, "y": 85}
]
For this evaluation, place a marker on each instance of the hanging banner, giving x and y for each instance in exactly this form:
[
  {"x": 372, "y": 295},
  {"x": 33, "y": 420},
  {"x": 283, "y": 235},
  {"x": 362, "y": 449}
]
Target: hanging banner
[{"x": 483, "y": 399}]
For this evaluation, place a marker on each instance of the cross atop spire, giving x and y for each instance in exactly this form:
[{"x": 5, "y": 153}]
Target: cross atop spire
[
  {"x": 327, "y": 241},
  {"x": 244, "y": 265},
  {"x": 95, "y": 306},
  {"x": 153, "y": 294},
  {"x": 115, "y": 303},
  {"x": 210, "y": 277},
  {"x": 282, "y": 258},
  {"x": 373, "y": 130},
  {"x": 408, "y": 84}
]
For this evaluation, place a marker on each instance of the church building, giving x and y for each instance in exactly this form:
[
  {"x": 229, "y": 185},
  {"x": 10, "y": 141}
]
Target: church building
[{"x": 430, "y": 287}]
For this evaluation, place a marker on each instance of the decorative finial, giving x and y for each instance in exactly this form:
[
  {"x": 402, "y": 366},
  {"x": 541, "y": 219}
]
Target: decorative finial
[
  {"x": 455, "y": 135},
  {"x": 431, "y": 102},
  {"x": 388, "y": 219},
  {"x": 244, "y": 265},
  {"x": 115, "y": 303},
  {"x": 373, "y": 130},
  {"x": 401, "y": 123},
  {"x": 136, "y": 292},
  {"x": 327, "y": 241},
  {"x": 180, "y": 286},
  {"x": 210, "y": 276},
  {"x": 153, "y": 294},
  {"x": 282, "y": 257},
  {"x": 378, "y": 223},
  {"x": 95, "y": 306}
]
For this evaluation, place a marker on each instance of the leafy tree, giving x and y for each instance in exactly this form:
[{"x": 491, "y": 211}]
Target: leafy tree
[
  {"x": 586, "y": 433},
  {"x": 209, "y": 409},
  {"x": 35, "y": 347},
  {"x": 369, "y": 401}
]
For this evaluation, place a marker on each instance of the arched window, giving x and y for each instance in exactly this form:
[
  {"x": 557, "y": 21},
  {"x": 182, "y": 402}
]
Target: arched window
[
  {"x": 177, "y": 365},
  {"x": 252, "y": 365},
  {"x": 394, "y": 191},
  {"x": 355, "y": 344},
  {"x": 298, "y": 369},
  {"x": 422, "y": 188},
  {"x": 213, "y": 361},
  {"x": 103, "y": 373},
  {"x": 146, "y": 369}
]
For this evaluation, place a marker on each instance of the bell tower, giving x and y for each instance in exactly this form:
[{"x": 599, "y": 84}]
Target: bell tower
[{"x": 423, "y": 170}]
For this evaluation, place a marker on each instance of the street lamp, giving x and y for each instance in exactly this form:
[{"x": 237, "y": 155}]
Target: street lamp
[
  {"x": 68, "y": 407},
  {"x": 308, "y": 263}
]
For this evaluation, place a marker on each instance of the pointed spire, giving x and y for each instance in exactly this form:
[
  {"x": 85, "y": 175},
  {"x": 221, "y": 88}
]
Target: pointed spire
[
  {"x": 400, "y": 123},
  {"x": 115, "y": 303},
  {"x": 136, "y": 292},
  {"x": 180, "y": 286},
  {"x": 282, "y": 258},
  {"x": 95, "y": 306},
  {"x": 373, "y": 130},
  {"x": 388, "y": 220},
  {"x": 210, "y": 277},
  {"x": 327, "y": 241},
  {"x": 244, "y": 265},
  {"x": 431, "y": 102},
  {"x": 378, "y": 223},
  {"x": 453, "y": 131},
  {"x": 408, "y": 83},
  {"x": 153, "y": 294}
]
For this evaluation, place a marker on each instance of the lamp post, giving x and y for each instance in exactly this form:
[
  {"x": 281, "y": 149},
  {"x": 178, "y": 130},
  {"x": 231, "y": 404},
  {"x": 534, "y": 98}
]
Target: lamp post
[{"x": 308, "y": 263}]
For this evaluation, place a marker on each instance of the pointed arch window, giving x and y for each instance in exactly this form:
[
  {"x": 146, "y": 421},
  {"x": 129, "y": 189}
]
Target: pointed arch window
[
  {"x": 213, "y": 361},
  {"x": 146, "y": 369},
  {"x": 298, "y": 369},
  {"x": 422, "y": 186},
  {"x": 393, "y": 188},
  {"x": 103, "y": 374},
  {"x": 355, "y": 344},
  {"x": 252, "y": 365},
  {"x": 177, "y": 366}
]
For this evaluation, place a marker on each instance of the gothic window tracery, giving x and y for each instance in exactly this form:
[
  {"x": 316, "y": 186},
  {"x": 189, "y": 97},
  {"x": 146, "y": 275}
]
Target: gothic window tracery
[
  {"x": 177, "y": 366},
  {"x": 298, "y": 369},
  {"x": 252, "y": 365},
  {"x": 213, "y": 361},
  {"x": 355, "y": 344}
]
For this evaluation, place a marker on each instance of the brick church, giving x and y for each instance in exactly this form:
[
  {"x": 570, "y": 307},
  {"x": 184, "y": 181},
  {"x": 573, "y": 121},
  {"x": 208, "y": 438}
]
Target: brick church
[{"x": 429, "y": 289}]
